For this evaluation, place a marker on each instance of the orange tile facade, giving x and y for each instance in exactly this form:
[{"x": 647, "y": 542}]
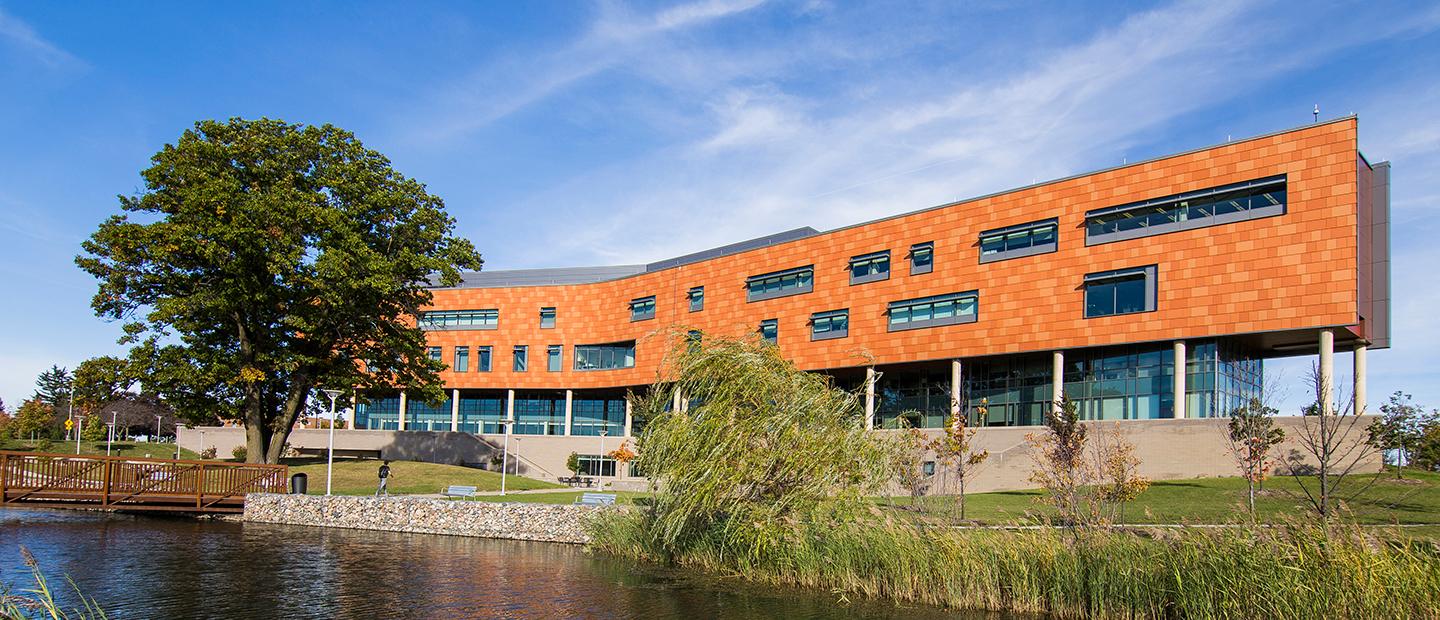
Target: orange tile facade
[{"x": 1293, "y": 272}]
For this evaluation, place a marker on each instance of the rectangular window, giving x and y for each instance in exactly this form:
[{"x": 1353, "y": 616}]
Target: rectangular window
[
  {"x": 693, "y": 339},
  {"x": 780, "y": 283},
  {"x": 595, "y": 465},
  {"x": 1020, "y": 240},
  {"x": 770, "y": 330},
  {"x": 922, "y": 258},
  {"x": 435, "y": 353},
  {"x": 642, "y": 308},
  {"x": 1210, "y": 207},
  {"x": 1123, "y": 291},
  {"x": 482, "y": 359},
  {"x": 459, "y": 319},
  {"x": 552, "y": 357},
  {"x": 605, "y": 356},
  {"x": 462, "y": 359},
  {"x": 522, "y": 361},
  {"x": 870, "y": 267},
  {"x": 697, "y": 298},
  {"x": 829, "y": 325},
  {"x": 951, "y": 309},
  {"x": 547, "y": 318}
]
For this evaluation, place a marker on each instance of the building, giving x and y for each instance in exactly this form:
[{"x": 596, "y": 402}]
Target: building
[{"x": 1124, "y": 288}]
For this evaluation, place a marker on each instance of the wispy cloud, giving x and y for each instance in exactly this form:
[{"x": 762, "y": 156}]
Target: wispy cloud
[
  {"x": 19, "y": 35},
  {"x": 504, "y": 87}
]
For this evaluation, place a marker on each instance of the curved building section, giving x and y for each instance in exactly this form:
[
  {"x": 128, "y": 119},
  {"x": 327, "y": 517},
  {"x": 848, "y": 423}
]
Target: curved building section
[{"x": 1098, "y": 285}]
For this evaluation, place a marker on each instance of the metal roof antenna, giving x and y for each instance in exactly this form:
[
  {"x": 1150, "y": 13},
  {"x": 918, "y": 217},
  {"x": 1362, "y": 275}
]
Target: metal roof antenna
[{"x": 1317, "y": 112}]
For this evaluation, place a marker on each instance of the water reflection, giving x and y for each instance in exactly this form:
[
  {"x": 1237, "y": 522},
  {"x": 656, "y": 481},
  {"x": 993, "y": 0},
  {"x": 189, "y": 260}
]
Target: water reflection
[{"x": 152, "y": 567}]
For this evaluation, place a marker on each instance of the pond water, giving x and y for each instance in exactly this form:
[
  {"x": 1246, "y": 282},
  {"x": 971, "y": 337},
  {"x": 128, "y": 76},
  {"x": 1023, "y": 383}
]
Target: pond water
[{"x": 158, "y": 567}]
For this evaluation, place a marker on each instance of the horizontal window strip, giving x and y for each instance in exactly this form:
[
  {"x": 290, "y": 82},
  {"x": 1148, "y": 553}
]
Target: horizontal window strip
[
  {"x": 1211, "y": 207},
  {"x": 460, "y": 319},
  {"x": 950, "y": 309},
  {"x": 1017, "y": 241},
  {"x": 780, "y": 283}
]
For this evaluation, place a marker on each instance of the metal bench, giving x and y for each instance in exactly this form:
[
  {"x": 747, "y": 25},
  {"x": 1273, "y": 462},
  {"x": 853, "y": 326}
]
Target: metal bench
[
  {"x": 458, "y": 491},
  {"x": 596, "y": 499}
]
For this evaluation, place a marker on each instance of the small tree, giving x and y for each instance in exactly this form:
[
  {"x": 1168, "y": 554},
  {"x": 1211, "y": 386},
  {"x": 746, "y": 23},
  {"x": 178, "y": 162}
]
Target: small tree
[
  {"x": 1060, "y": 465},
  {"x": 1398, "y": 429},
  {"x": 35, "y": 418},
  {"x": 1335, "y": 441},
  {"x": 1252, "y": 435},
  {"x": 93, "y": 429},
  {"x": 955, "y": 450},
  {"x": 1427, "y": 449},
  {"x": 1118, "y": 473},
  {"x": 910, "y": 463},
  {"x": 572, "y": 463}
]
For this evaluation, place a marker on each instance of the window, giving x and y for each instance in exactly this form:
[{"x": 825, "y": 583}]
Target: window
[
  {"x": 934, "y": 311},
  {"x": 552, "y": 357},
  {"x": 693, "y": 339},
  {"x": 590, "y": 415},
  {"x": 828, "y": 325},
  {"x": 1019, "y": 240},
  {"x": 928, "y": 468},
  {"x": 460, "y": 319},
  {"x": 521, "y": 358},
  {"x": 482, "y": 359},
  {"x": 697, "y": 298},
  {"x": 595, "y": 465},
  {"x": 642, "y": 308},
  {"x": 462, "y": 359},
  {"x": 1211, "y": 207},
  {"x": 770, "y": 330},
  {"x": 870, "y": 267},
  {"x": 547, "y": 318},
  {"x": 435, "y": 353},
  {"x": 605, "y": 356},
  {"x": 1123, "y": 291},
  {"x": 780, "y": 283},
  {"x": 922, "y": 258}
]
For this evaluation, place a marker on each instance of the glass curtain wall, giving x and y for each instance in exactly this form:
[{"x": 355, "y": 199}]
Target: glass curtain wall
[
  {"x": 423, "y": 416},
  {"x": 1014, "y": 390},
  {"x": 481, "y": 413},
  {"x": 592, "y": 414},
  {"x": 379, "y": 413},
  {"x": 920, "y": 397},
  {"x": 539, "y": 413}
]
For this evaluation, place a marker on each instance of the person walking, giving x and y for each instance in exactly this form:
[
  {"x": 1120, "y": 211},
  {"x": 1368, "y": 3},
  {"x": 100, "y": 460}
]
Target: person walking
[{"x": 384, "y": 476}]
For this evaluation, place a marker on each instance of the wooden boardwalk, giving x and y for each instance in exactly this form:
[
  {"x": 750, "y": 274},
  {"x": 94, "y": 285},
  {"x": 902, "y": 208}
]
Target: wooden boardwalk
[{"x": 122, "y": 483}]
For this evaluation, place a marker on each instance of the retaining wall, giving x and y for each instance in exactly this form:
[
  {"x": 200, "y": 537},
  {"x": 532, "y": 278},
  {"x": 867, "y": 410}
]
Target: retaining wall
[{"x": 541, "y": 522}]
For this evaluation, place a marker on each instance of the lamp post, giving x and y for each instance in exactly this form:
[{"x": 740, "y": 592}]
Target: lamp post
[
  {"x": 330, "y": 458},
  {"x": 110, "y": 438},
  {"x": 600, "y": 471},
  {"x": 505, "y": 453},
  {"x": 77, "y": 434}
]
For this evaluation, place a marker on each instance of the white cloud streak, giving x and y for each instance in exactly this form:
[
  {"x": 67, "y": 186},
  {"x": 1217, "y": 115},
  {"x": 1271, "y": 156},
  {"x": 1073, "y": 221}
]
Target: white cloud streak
[{"x": 21, "y": 36}]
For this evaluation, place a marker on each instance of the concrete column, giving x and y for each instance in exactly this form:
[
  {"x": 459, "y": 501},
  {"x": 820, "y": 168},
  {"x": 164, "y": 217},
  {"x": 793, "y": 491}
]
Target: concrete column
[
  {"x": 509, "y": 407},
  {"x": 870, "y": 397},
  {"x": 676, "y": 401},
  {"x": 1360, "y": 372},
  {"x": 401, "y": 423},
  {"x": 1327, "y": 371},
  {"x": 1057, "y": 380},
  {"x": 1178, "y": 388},
  {"x": 569, "y": 398},
  {"x": 628, "y": 419},
  {"x": 956, "y": 388},
  {"x": 454, "y": 411}
]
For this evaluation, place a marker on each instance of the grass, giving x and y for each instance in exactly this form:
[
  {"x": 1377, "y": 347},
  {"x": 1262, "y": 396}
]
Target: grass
[
  {"x": 358, "y": 477},
  {"x": 1413, "y": 500},
  {"x": 128, "y": 449}
]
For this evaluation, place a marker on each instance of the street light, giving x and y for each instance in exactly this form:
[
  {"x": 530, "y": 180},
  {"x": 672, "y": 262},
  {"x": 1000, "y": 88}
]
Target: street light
[
  {"x": 157, "y": 428},
  {"x": 110, "y": 438},
  {"x": 77, "y": 434},
  {"x": 600, "y": 471},
  {"x": 330, "y": 459},
  {"x": 505, "y": 453}
]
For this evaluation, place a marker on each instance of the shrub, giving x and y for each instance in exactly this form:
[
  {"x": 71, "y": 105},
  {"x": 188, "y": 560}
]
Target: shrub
[
  {"x": 239, "y": 453},
  {"x": 44, "y": 445},
  {"x": 208, "y": 453}
]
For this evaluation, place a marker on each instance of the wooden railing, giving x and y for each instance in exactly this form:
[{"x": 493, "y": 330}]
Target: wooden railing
[{"x": 121, "y": 483}]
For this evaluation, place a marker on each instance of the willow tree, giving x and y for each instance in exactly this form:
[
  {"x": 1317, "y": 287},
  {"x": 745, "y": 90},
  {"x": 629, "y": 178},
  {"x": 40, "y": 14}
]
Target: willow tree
[
  {"x": 756, "y": 441},
  {"x": 267, "y": 260}
]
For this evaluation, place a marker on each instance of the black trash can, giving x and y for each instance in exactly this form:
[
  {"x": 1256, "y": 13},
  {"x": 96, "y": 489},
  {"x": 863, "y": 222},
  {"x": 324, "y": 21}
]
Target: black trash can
[{"x": 299, "y": 484}]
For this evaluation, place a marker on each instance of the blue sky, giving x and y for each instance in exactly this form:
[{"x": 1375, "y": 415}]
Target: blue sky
[{"x": 592, "y": 133}]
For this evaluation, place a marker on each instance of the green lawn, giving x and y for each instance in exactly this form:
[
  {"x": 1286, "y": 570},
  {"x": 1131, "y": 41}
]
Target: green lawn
[
  {"x": 358, "y": 477},
  {"x": 120, "y": 448},
  {"x": 1413, "y": 500}
]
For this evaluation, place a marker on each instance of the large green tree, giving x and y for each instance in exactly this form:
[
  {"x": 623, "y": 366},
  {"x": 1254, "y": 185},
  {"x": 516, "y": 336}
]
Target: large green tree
[
  {"x": 100, "y": 380},
  {"x": 267, "y": 260},
  {"x": 52, "y": 387}
]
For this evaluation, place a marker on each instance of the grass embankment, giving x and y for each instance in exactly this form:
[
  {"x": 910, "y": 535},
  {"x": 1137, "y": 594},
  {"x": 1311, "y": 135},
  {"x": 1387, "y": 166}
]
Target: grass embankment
[
  {"x": 359, "y": 477},
  {"x": 128, "y": 449},
  {"x": 1415, "y": 499},
  {"x": 1295, "y": 571}
]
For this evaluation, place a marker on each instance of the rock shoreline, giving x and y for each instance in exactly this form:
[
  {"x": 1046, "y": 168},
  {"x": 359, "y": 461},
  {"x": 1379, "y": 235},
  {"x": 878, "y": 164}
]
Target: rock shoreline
[{"x": 562, "y": 523}]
